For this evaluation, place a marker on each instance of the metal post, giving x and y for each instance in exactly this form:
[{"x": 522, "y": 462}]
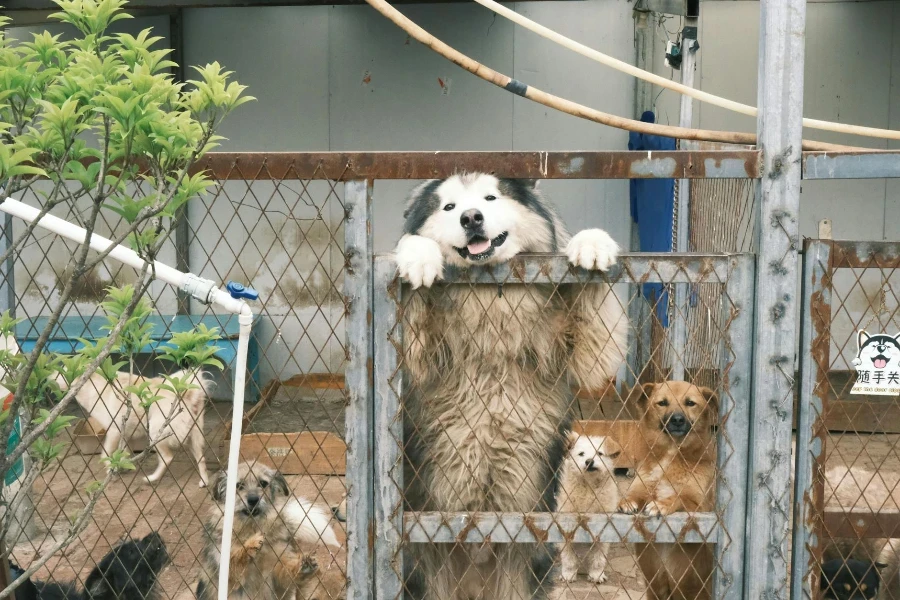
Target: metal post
[
  {"x": 733, "y": 438},
  {"x": 7, "y": 269},
  {"x": 780, "y": 101},
  {"x": 182, "y": 228},
  {"x": 360, "y": 411},
  {"x": 683, "y": 210},
  {"x": 815, "y": 345},
  {"x": 388, "y": 436}
]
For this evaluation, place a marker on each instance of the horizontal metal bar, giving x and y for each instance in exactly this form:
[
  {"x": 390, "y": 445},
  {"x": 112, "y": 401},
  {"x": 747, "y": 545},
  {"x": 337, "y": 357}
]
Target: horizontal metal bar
[
  {"x": 861, "y": 255},
  {"x": 859, "y": 524},
  {"x": 631, "y": 268},
  {"x": 851, "y": 165},
  {"x": 521, "y": 165},
  {"x": 505, "y": 528}
]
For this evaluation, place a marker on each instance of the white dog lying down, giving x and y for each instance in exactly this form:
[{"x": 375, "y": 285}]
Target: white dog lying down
[{"x": 104, "y": 404}]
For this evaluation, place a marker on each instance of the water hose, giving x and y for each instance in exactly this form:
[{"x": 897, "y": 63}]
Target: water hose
[
  {"x": 618, "y": 65},
  {"x": 206, "y": 292},
  {"x": 567, "y": 106}
]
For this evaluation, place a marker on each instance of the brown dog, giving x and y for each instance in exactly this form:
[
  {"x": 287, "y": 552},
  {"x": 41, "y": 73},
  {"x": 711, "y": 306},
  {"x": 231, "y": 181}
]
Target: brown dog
[{"x": 677, "y": 474}]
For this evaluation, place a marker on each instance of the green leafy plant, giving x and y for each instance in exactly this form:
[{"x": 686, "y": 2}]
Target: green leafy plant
[{"x": 101, "y": 119}]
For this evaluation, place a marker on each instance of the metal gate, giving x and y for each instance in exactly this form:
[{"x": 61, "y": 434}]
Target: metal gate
[
  {"x": 847, "y": 490},
  {"x": 719, "y": 318}
]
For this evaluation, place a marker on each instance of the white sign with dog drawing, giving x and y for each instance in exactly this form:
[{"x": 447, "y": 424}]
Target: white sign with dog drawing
[{"x": 877, "y": 364}]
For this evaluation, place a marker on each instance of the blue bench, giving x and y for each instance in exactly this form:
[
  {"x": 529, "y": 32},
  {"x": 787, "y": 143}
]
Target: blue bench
[{"x": 64, "y": 339}]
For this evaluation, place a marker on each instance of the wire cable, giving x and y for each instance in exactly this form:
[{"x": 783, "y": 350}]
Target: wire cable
[
  {"x": 614, "y": 63},
  {"x": 567, "y": 106}
]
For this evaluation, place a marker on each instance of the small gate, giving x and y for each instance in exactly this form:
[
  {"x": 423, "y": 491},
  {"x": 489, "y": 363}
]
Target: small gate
[
  {"x": 719, "y": 319},
  {"x": 848, "y": 441}
]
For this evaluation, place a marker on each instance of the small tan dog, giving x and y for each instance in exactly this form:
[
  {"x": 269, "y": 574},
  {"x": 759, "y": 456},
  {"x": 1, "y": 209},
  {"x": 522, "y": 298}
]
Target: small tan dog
[
  {"x": 104, "y": 404},
  {"x": 270, "y": 526},
  {"x": 677, "y": 474},
  {"x": 588, "y": 486}
]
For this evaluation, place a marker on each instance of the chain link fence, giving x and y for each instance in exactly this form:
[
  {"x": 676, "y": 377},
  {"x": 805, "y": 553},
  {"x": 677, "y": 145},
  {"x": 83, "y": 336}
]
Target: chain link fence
[
  {"x": 478, "y": 496},
  {"x": 283, "y": 235},
  {"x": 334, "y": 400},
  {"x": 847, "y": 527}
]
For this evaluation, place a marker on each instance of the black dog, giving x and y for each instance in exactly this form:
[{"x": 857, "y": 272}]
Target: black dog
[
  {"x": 850, "y": 579},
  {"x": 128, "y": 572}
]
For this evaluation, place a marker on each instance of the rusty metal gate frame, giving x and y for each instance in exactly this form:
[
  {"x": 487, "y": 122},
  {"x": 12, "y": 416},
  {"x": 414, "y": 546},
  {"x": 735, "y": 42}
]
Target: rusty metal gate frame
[
  {"x": 821, "y": 260},
  {"x": 392, "y": 528}
]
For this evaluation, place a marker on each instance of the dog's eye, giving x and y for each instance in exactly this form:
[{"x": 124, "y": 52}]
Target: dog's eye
[
  {"x": 449, "y": 207},
  {"x": 690, "y": 403},
  {"x": 581, "y": 454},
  {"x": 490, "y": 197},
  {"x": 240, "y": 487},
  {"x": 263, "y": 484},
  {"x": 615, "y": 455},
  {"x": 662, "y": 403}
]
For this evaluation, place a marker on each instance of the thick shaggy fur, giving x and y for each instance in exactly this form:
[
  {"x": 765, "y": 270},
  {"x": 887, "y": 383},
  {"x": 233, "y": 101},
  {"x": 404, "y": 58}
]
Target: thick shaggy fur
[
  {"x": 488, "y": 405},
  {"x": 104, "y": 404},
  {"x": 128, "y": 572},
  {"x": 678, "y": 474},
  {"x": 867, "y": 568},
  {"x": 270, "y": 526},
  {"x": 588, "y": 486}
]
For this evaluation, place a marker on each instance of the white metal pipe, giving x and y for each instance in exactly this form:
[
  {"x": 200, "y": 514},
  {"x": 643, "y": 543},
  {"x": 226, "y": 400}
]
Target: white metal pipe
[
  {"x": 744, "y": 109},
  {"x": 234, "y": 452},
  {"x": 201, "y": 289}
]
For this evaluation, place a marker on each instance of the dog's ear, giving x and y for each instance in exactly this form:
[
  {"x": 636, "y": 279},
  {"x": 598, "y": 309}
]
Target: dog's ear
[
  {"x": 712, "y": 406},
  {"x": 640, "y": 394},
  {"x": 530, "y": 183},
  {"x": 219, "y": 486},
  {"x": 712, "y": 400},
  {"x": 862, "y": 338},
  {"x": 279, "y": 484},
  {"x": 571, "y": 439}
]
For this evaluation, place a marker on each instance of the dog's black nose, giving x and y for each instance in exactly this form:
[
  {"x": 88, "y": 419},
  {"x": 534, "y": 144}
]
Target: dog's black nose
[
  {"x": 590, "y": 463},
  {"x": 252, "y": 500},
  {"x": 677, "y": 419},
  {"x": 471, "y": 219}
]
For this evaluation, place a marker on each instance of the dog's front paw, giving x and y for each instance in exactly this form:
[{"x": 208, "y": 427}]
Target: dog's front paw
[
  {"x": 568, "y": 575},
  {"x": 419, "y": 260},
  {"x": 592, "y": 249},
  {"x": 627, "y": 506},
  {"x": 656, "y": 509},
  {"x": 598, "y": 577},
  {"x": 253, "y": 544}
]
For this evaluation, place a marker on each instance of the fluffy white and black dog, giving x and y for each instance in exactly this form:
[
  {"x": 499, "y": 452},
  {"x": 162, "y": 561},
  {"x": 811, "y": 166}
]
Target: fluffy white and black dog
[{"x": 488, "y": 406}]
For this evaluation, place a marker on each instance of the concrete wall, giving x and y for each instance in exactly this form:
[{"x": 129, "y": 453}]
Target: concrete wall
[{"x": 344, "y": 78}]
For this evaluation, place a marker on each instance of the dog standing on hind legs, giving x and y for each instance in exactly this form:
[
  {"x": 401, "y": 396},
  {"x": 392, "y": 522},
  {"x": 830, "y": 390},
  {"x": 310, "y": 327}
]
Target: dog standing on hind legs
[{"x": 488, "y": 405}]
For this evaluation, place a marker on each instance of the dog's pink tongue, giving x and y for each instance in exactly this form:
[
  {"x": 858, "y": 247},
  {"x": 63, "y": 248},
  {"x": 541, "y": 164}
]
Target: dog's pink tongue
[
  {"x": 478, "y": 247},
  {"x": 880, "y": 363}
]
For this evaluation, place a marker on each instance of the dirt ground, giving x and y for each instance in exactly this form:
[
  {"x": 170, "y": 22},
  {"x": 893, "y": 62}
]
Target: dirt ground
[{"x": 176, "y": 506}]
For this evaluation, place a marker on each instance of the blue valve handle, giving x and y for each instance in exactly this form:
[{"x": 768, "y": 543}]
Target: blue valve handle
[{"x": 237, "y": 290}]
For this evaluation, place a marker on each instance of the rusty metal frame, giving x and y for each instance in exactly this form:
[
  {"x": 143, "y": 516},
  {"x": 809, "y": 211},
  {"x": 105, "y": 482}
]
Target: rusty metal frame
[
  {"x": 523, "y": 165},
  {"x": 725, "y": 526}
]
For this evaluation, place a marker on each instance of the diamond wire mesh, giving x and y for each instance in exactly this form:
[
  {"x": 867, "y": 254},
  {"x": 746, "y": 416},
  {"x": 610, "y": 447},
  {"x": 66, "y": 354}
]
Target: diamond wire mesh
[
  {"x": 459, "y": 343},
  {"x": 283, "y": 237},
  {"x": 858, "y": 469}
]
